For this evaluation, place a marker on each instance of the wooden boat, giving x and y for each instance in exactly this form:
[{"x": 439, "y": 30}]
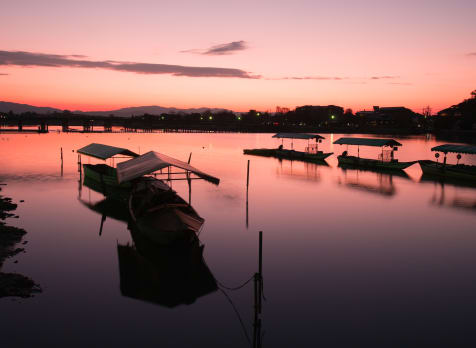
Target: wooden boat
[
  {"x": 450, "y": 171},
  {"x": 129, "y": 173},
  {"x": 311, "y": 153},
  {"x": 163, "y": 216},
  {"x": 386, "y": 160},
  {"x": 102, "y": 173}
]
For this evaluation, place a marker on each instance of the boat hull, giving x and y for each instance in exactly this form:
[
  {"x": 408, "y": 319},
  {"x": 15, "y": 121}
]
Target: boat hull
[
  {"x": 289, "y": 154},
  {"x": 435, "y": 169},
  {"x": 163, "y": 216},
  {"x": 371, "y": 163},
  {"x": 104, "y": 175}
]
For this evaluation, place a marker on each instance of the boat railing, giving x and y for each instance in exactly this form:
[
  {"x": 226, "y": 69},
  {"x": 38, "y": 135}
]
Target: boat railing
[
  {"x": 312, "y": 149},
  {"x": 386, "y": 156}
]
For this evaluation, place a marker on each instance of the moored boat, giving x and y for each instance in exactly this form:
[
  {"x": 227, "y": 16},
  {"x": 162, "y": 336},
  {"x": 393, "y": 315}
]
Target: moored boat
[
  {"x": 102, "y": 173},
  {"x": 451, "y": 171},
  {"x": 163, "y": 216},
  {"x": 386, "y": 159},
  {"x": 311, "y": 153}
]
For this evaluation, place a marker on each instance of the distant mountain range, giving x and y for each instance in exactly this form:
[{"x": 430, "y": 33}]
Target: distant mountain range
[{"x": 124, "y": 112}]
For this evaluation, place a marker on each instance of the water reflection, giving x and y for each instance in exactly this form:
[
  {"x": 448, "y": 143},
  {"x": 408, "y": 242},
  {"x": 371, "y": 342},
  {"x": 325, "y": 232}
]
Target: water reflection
[
  {"x": 156, "y": 267},
  {"x": 380, "y": 183},
  {"x": 300, "y": 170},
  {"x": 442, "y": 198},
  {"x": 165, "y": 275}
]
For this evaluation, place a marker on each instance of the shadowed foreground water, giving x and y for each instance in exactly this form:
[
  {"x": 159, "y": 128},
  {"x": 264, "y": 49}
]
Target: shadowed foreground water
[{"x": 351, "y": 258}]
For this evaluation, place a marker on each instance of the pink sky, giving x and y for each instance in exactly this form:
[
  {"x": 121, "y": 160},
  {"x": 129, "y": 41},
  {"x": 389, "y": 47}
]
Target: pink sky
[{"x": 354, "y": 54}]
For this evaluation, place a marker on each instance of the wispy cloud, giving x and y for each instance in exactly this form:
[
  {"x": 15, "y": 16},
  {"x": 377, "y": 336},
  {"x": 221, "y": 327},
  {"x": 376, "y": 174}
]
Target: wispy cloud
[
  {"x": 471, "y": 54},
  {"x": 29, "y": 59},
  {"x": 321, "y": 78},
  {"x": 335, "y": 78},
  {"x": 384, "y": 77},
  {"x": 401, "y": 83},
  {"x": 4, "y": 74},
  {"x": 220, "y": 50}
]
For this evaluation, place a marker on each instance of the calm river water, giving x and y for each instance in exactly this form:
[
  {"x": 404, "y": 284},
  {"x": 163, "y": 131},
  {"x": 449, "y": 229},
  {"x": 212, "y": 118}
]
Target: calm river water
[{"x": 351, "y": 258}]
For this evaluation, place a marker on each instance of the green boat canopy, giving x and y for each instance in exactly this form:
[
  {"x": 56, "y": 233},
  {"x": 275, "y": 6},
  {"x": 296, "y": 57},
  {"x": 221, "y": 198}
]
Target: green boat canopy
[
  {"x": 153, "y": 161},
  {"x": 104, "y": 151},
  {"x": 455, "y": 148},
  {"x": 367, "y": 142},
  {"x": 306, "y": 136}
]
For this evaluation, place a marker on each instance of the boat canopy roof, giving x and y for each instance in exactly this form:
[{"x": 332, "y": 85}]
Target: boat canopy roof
[
  {"x": 455, "y": 148},
  {"x": 104, "y": 152},
  {"x": 306, "y": 136},
  {"x": 153, "y": 161},
  {"x": 367, "y": 142}
]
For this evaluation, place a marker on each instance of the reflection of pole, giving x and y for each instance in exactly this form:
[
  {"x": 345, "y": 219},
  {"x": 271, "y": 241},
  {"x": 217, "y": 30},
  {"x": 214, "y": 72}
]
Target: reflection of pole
[{"x": 103, "y": 218}]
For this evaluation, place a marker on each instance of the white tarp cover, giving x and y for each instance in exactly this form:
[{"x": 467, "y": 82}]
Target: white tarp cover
[{"x": 153, "y": 161}]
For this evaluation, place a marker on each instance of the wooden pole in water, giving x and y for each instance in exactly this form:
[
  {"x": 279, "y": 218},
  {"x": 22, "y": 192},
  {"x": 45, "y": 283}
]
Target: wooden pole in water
[
  {"x": 260, "y": 269},
  {"x": 258, "y": 287},
  {"x": 247, "y": 185},
  {"x": 247, "y": 177}
]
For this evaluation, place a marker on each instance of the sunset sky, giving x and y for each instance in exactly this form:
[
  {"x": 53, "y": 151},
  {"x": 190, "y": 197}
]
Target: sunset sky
[{"x": 102, "y": 55}]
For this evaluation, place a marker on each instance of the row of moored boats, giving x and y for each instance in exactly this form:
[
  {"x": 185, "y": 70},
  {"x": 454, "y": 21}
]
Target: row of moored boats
[{"x": 386, "y": 159}]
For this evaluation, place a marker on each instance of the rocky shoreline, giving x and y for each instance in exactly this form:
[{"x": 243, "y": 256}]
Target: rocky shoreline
[{"x": 12, "y": 284}]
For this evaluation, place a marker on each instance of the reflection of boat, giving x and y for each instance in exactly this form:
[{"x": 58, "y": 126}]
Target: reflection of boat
[
  {"x": 168, "y": 276},
  {"x": 303, "y": 171},
  {"x": 311, "y": 153},
  {"x": 384, "y": 184},
  {"x": 458, "y": 200},
  {"x": 452, "y": 171},
  {"x": 386, "y": 160},
  {"x": 102, "y": 173}
]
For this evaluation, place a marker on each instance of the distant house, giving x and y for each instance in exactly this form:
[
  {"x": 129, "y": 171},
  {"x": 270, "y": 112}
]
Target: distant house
[
  {"x": 452, "y": 111},
  {"x": 316, "y": 114},
  {"x": 389, "y": 116}
]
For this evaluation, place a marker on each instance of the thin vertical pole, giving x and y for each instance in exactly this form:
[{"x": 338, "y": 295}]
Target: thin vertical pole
[
  {"x": 247, "y": 185},
  {"x": 260, "y": 269},
  {"x": 189, "y": 189},
  {"x": 247, "y": 176},
  {"x": 189, "y": 158}
]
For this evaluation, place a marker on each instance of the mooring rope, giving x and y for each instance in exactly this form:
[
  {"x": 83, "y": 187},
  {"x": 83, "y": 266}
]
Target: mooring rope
[{"x": 238, "y": 315}]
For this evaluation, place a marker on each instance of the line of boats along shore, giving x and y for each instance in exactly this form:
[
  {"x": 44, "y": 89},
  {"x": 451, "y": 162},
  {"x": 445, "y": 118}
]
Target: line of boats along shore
[
  {"x": 165, "y": 217},
  {"x": 165, "y": 263},
  {"x": 386, "y": 160}
]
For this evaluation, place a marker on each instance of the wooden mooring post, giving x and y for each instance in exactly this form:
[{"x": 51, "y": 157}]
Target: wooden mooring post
[
  {"x": 258, "y": 294},
  {"x": 247, "y": 186}
]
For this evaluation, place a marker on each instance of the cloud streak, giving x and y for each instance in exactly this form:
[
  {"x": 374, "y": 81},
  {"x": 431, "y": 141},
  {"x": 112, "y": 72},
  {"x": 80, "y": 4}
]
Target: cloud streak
[
  {"x": 335, "y": 78},
  {"x": 29, "y": 59},
  {"x": 4, "y": 74},
  {"x": 220, "y": 50},
  {"x": 384, "y": 77},
  {"x": 471, "y": 54}
]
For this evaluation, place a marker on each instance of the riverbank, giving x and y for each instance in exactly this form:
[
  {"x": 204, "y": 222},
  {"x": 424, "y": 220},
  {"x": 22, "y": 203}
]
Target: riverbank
[{"x": 12, "y": 284}]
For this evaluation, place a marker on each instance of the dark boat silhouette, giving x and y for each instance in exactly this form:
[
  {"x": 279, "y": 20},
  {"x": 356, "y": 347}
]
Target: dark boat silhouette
[{"x": 165, "y": 275}]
